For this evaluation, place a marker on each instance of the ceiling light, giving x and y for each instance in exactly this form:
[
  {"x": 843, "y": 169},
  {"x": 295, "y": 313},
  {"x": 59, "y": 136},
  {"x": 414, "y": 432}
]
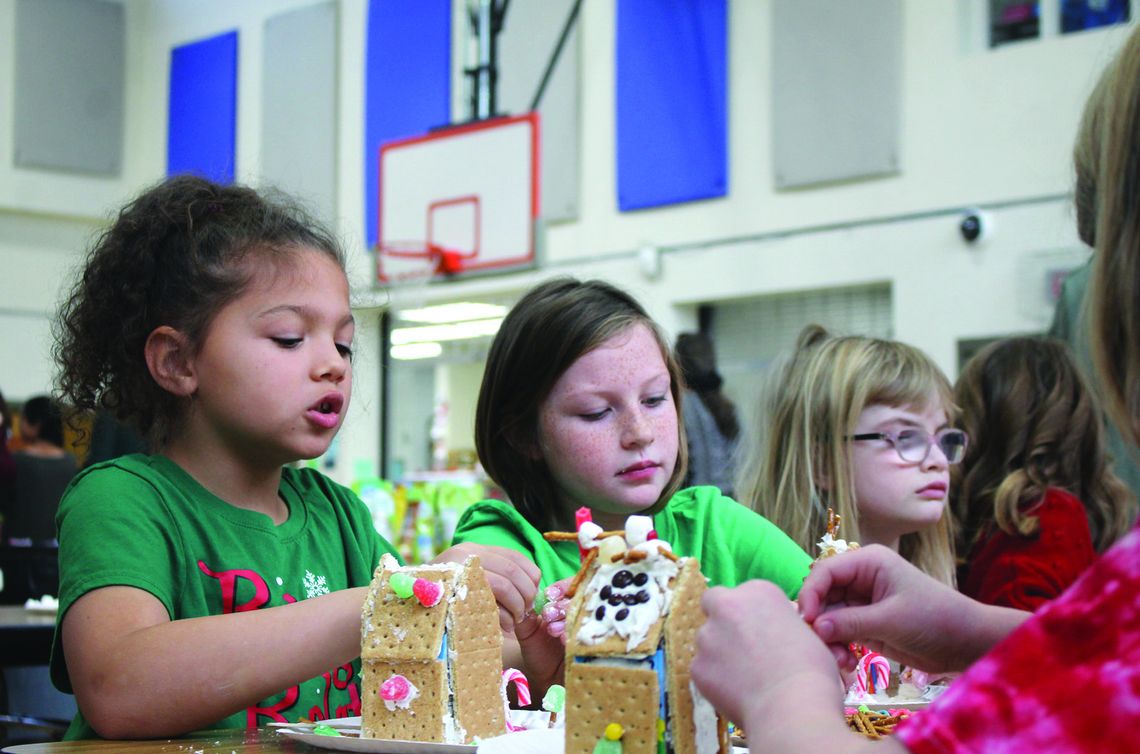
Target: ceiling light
[
  {"x": 478, "y": 328},
  {"x": 457, "y": 312},
  {"x": 410, "y": 351}
]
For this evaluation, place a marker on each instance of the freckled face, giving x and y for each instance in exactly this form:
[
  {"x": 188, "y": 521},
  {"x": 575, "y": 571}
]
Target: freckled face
[{"x": 608, "y": 429}]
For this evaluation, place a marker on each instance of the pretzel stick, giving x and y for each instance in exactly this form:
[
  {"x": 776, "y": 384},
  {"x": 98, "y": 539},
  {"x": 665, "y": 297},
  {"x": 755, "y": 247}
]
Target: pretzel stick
[
  {"x": 591, "y": 555},
  {"x": 570, "y": 536}
]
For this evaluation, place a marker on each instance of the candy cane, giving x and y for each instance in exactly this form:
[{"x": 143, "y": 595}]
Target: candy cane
[
  {"x": 872, "y": 673},
  {"x": 522, "y": 688}
]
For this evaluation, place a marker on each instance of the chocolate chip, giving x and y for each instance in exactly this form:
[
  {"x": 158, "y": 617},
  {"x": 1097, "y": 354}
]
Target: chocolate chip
[
  {"x": 622, "y": 614},
  {"x": 642, "y": 596},
  {"x": 641, "y": 579},
  {"x": 622, "y": 579},
  {"x": 605, "y": 593},
  {"x": 631, "y": 599},
  {"x": 600, "y": 612},
  {"x": 615, "y": 600}
]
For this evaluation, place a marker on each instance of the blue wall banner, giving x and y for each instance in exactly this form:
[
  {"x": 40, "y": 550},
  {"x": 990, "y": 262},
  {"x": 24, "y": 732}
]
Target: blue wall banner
[
  {"x": 202, "y": 123},
  {"x": 672, "y": 101},
  {"x": 407, "y": 82}
]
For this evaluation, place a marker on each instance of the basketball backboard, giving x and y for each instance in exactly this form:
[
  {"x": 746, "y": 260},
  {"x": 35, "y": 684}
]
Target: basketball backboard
[{"x": 458, "y": 200}]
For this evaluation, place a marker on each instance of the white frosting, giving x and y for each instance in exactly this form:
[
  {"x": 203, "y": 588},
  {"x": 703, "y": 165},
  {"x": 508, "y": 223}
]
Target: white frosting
[
  {"x": 636, "y": 619},
  {"x": 704, "y": 720},
  {"x": 829, "y": 546},
  {"x": 399, "y": 633}
]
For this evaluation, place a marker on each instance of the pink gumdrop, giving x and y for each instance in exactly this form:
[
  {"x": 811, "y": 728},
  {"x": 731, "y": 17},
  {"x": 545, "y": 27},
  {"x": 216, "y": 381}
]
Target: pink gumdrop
[
  {"x": 427, "y": 592},
  {"x": 395, "y": 689}
]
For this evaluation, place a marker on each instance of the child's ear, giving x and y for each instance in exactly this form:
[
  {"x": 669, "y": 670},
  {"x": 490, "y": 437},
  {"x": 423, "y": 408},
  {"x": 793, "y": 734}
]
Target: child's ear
[{"x": 168, "y": 359}]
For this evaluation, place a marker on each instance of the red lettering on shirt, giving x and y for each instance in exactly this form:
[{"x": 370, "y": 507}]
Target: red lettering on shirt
[
  {"x": 228, "y": 581},
  {"x": 273, "y": 712}
]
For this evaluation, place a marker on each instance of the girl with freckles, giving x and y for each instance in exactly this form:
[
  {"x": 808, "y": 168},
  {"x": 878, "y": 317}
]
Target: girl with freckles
[{"x": 580, "y": 407}]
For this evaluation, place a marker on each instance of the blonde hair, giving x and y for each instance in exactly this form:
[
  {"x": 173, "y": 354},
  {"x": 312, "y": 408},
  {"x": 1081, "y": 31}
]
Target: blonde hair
[
  {"x": 817, "y": 400},
  {"x": 1115, "y": 285}
]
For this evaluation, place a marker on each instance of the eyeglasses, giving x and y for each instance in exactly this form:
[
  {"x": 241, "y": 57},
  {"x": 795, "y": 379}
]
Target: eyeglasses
[{"x": 913, "y": 445}]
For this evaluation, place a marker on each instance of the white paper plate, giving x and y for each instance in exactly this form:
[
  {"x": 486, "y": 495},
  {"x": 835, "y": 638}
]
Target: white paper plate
[{"x": 351, "y": 741}]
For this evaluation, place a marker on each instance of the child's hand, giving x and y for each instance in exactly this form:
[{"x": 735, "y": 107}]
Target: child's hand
[
  {"x": 553, "y": 613},
  {"x": 512, "y": 576},
  {"x": 543, "y": 650}
]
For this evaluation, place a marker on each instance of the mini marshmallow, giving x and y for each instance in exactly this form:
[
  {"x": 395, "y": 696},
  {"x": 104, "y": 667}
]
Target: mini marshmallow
[
  {"x": 637, "y": 529},
  {"x": 588, "y": 535}
]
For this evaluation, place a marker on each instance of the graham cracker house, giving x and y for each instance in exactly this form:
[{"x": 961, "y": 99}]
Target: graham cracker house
[
  {"x": 431, "y": 654},
  {"x": 631, "y": 636}
]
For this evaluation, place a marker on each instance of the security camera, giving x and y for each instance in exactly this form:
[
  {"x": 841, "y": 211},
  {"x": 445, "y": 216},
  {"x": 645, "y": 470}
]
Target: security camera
[{"x": 974, "y": 225}]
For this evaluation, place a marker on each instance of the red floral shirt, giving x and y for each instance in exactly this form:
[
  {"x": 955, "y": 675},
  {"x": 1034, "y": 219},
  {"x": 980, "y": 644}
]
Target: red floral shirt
[
  {"x": 1026, "y": 572},
  {"x": 1067, "y": 680}
]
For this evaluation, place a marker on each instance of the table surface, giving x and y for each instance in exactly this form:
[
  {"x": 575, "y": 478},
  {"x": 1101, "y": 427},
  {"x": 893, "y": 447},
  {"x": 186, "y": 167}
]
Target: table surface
[
  {"x": 25, "y": 636},
  {"x": 17, "y": 616},
  {"x": 260, "y": 741}
]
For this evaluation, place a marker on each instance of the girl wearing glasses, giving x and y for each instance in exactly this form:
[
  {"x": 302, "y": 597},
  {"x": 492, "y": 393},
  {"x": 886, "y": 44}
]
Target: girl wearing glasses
[
  {"x": 861, "y": 426},
  {"x": 1035, "y": 500}
]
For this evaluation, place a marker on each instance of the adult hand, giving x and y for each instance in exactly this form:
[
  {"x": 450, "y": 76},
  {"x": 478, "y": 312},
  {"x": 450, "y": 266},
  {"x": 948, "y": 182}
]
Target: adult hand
[
  {"x": 876, "y": 598},
  {"x": 762, "y": 666},
  {"x": 512, "y": 576}
]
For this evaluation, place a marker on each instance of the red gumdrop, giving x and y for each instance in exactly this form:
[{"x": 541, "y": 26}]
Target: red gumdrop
[
  {"x": 429, "y": 593},
  {"x": 394, "y": 689}
]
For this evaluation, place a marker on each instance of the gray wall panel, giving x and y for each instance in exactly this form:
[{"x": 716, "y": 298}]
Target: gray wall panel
[
  {"x": 69, "y": 84},
  {"x": 298, "y": 106},
  {"x": 529, "y": 36},
  {"x": 836, "y": 80}
]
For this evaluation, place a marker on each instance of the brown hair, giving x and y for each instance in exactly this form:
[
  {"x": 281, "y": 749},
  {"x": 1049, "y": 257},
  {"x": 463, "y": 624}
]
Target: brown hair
[
  {"x": 697, "y": 357},
  {"x": 174, "y": 256},
  {"x": 549, "y": 329},
  {"x": 1033, "y": 424}
]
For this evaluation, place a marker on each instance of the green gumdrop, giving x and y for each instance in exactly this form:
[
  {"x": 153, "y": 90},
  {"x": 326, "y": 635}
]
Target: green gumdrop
[
  {"x": 540, "y": 600},
  {"x": 555, "y": 699},
  {"x": 325, "y": 730},
  {"x": 402, "y": 584},
  {"x": 606, "y": 746}
]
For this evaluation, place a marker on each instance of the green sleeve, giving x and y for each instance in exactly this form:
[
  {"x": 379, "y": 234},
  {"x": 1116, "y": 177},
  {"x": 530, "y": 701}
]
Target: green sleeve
[
  {"x": 734, "y": 544},
  {"x": 496, "y": 523}
]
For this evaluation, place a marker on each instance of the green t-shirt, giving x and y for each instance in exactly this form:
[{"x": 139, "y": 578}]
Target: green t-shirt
[
  {"x": 142, "y": 521},
  {"x": 732, "y": 543}
]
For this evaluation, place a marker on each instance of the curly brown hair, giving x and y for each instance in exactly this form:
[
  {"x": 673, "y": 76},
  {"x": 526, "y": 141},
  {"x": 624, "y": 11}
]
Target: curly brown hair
[
  {"x": 1033, "y": 424},
  {"x": 174, "y": 256}
]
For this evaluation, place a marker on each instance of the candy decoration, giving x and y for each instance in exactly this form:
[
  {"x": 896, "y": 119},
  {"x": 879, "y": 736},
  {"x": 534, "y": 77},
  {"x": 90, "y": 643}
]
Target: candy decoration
[
  {"x": 522, "y": 690},
  {"x": 427, "y": 592},
  {"x": 873, "y": 673},
  {"x": 610, "y": 742},
  {"x": 609, "y": 547},
  {"x": 402, "y": 585},
  {"x": 581, "y": 516},
  {"x": 637, "y": 529},
  {"x": 554, "y": 702},
  {"x": 325, "y": 730},
  {"x": 398, "y": 691}
]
